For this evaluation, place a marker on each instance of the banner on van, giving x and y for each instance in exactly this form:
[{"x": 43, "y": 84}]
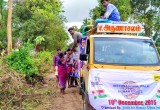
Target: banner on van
[{"x": 124, "y": 90}]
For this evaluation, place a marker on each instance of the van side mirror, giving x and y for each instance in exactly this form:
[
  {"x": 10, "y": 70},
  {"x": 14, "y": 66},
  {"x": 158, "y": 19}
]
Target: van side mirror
[{"x": 83, "y": 57}]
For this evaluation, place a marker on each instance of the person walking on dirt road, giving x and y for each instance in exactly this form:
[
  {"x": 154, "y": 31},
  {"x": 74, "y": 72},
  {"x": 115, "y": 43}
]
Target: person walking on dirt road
[
  {"x": 62, "y": 73},
  {"x": 55, "y": 64}
]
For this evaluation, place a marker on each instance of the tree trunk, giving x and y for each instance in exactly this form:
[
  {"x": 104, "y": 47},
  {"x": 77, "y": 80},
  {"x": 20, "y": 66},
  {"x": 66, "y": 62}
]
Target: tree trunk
[{"x": 9, "y": 26}]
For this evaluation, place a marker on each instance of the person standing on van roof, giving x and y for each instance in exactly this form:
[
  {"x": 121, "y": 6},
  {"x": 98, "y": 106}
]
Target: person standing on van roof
[
  {"x": 111, "y": 14},
  {"x": 77, "y": 36}
]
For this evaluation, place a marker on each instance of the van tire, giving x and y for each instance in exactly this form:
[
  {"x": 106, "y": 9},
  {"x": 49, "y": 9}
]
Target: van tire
[
  {"x": 85, "y": 101},
  {"x": 86, "y": 104}
]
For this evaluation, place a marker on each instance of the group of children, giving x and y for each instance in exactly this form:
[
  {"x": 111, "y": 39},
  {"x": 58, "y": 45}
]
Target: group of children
[{"x": 67, "y": 69}]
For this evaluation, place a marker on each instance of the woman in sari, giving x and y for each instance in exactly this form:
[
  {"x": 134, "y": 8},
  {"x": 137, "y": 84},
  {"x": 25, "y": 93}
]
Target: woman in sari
[{"x": 62, "y": 73}]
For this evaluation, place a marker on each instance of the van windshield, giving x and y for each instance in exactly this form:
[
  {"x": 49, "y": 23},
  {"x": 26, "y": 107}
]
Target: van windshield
[{"x": 124, "y": 51}]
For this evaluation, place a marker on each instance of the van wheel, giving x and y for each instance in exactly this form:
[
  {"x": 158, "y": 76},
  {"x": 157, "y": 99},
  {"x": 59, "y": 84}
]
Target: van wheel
[
  {"x": 85, "y": 101},
  {"x": 86, "y": 105}
]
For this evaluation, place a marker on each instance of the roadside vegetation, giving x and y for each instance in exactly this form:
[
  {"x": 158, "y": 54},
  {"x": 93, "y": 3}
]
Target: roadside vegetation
[{"x": 22, "y": 79}]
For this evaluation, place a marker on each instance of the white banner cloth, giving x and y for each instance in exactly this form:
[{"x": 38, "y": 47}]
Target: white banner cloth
[{"x": 124, "y": 90}]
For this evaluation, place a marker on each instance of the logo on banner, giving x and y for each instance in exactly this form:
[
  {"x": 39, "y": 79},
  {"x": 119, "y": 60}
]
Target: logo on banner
[
  {"x": 97, "y": 80},
  {"x": 130, "y": 90},
  {"x": 158, "y": 93},
  {"x": 99, "y": 94}
]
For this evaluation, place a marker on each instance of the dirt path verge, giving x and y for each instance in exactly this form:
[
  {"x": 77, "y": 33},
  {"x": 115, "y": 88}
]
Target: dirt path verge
[{"x": 70, "y": 101}]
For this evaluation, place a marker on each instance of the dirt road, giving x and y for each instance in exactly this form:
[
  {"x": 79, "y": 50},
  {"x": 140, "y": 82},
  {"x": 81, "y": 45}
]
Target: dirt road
[{"x": 70, "y": 101}]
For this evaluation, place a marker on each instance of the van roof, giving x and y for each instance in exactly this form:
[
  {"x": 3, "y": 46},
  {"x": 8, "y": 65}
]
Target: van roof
[{"x": 118, "y": 36}]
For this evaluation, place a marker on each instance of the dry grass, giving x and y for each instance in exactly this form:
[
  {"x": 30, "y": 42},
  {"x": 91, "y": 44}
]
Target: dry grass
[{"x": 16, "y": 94}]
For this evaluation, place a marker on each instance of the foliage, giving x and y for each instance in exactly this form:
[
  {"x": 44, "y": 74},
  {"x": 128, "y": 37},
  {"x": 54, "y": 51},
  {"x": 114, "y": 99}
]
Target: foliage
[
  {"x": 22, "y": 61},
  {"x": 44, "y": 61},
  {"x": 15, "y": 94},
  {"x": 45, "y": 57},
  {"x": 41, "y": 18},
  {"x": 87, "y": 21},
  {"x": 3, "y": 38},
  {"x": 75, "y": 28},
  {"x": 158, "y": 45},
  {"x": 39, "y": 40},
  {"x": 32, "y": 18},
  {"x": 147, "y": 12},
  {"x": 158, "y": 49},
  {"x": 97, "y": 12},
  {"x": 2, "y": 8},
  {"x": 3, "y": 25}
]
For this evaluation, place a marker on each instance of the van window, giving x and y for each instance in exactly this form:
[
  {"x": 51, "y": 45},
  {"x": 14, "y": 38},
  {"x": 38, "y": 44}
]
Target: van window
[{"x": 125, "y": 51}]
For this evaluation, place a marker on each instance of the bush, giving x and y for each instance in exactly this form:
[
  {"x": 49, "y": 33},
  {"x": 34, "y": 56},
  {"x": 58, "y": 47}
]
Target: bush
[
  {"x": 22, "y": 61},
  {"x": 46, "y": 57},
  {"x": 43, "y": 61},
  {"x": 158, "y": 49}
]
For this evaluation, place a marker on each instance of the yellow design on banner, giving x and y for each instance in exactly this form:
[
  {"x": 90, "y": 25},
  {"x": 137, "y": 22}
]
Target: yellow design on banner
[{"x": 156, "y": 77}]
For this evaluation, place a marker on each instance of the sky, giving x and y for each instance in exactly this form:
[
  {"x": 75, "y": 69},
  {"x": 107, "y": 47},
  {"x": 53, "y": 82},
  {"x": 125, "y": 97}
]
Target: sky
[{"x": 77, "y": 10}]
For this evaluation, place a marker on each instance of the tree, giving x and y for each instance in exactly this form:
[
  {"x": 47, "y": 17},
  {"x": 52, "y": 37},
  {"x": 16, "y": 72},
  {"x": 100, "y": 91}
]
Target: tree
[
  {"x": 2, "y": 4},
  {"x": 9, "y": 26},
  {"x": 87, "y": 21},
  {"x": 147, "y": 12},
  {"x": 3, "y": 24},
  {"x": 39, "y": 40},
  {"x": 41, "y": 18},
  {"x": 75, "y": 28},
  {"x": 1, "y": 9},
  {"x": 158, "y": 45}
]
